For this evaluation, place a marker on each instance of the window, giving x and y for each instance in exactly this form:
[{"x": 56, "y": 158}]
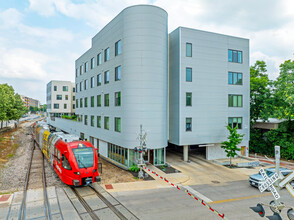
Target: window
[
  {"x": 98, "y": 100},
  {"x": 235, "y": 56},
  {"x": 106, "y": 123},
  {"x": 99, "y": 80},
  {"x": 65, "y": 163},
  {"x": 86, "y": 102},
  {"x": 86, "y": 120},
  {"x": 81, "y": 103},
  {"x": 92, "y": 101},
  {"x": 188, "y": 50},
  {"x": 106, "y": 100},
  {"x": 73, "y": 106},
  {"x": 76, "y": 72},
  {"x": 118, "y": 48},
  {"x": 117, "y": 124},
  {"x": 81, "y": 86},
  {"x": 188, "y": 99},
  {"x": 92, "y": 120},
  {"x": 74, "y": 89},
  {"x": 66, "y": 97},
  {"x": 73, "y": 98},
  {"x": 188, "y": 74},
  {"x": 235, "y": 78},
  {"x": 99, "y": 121},
  {"x": 117, "y": 73},
  {"x": 56, "y": 106},
  {"x": 86, "y": 84},
  {"x": 106, "y": 77},
  {"x": 86, "y": 66},
  {"x": 106, "y": 54},
  {"x": 55, "y": 88},
  {"x": 65, "y": 106},
  {"x": 188, "y": 124},
  {"x": 235, "y": 100},
  {"x": 99, "y": 59},
  {"x": 93, "y": 63},
  {"x": 92, "y": 82},
  {"x": 59, "y": 97},
  {"x": 77, "y": 103},
  {"x": 117, "y": 99},
  {"x": 77, "y": 86},
  {"x": 81, "y": 69},
  {"x": 65, "y": 88},
  {"x": 235, "y": 122}
]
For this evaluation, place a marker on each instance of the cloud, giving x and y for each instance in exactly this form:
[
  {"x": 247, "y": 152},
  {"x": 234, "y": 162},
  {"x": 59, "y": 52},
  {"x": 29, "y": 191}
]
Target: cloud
[
  {"x": 22, "y": 64},
  {"x": 43, "y": 7},
  {"x": 10, "y": 17}
]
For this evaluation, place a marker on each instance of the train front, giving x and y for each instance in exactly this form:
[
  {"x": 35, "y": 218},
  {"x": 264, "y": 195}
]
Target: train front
[{"x": 85, "y": 164}]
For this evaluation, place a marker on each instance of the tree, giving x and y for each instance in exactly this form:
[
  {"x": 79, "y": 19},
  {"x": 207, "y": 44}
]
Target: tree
[
  {"x": 230, "y": 146},
  {"x": 284, "y": 92},
  {"x": 261, "y": 99}
]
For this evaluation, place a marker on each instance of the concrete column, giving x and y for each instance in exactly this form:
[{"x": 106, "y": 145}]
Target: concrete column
[{"x": 185, "y": 152}]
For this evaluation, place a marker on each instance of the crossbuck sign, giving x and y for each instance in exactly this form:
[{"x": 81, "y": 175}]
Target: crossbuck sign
[{"x": 268, "y": 184}]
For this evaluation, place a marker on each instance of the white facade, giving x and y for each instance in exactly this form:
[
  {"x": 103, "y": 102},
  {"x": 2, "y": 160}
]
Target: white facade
[
  {"x": 209, "y": 88},
  {"x": 60, "y": 98}
]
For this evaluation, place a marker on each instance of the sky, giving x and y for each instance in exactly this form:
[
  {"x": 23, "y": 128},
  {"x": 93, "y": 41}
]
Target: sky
[{"x": 41, "y": 39}]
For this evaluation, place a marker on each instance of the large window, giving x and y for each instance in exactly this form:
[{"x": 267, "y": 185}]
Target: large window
[
  {"x": 92, "y": 101},
  {"x": 118, "y": 48},
  {"x": 81, "y": 103},
  {"x": 86, "y": 102},
  {"x": 188, "y": 99},
  {"x": 106, "y": 99},
  {"x": 106, "y": 123},
  {"x": 76, "y": 72},
  {"x": 106, "y": 77},
  {"x": 106, "y": 54},
  {"x": 81, "y": 86},
  {"x": 99, "y": 80},
  {"x": 56, "y": 106},
  {"x": 92, "y": 82},
  {"x": 235, "y": 78},
  {"x": 99, "y": 121},
  {"x": 77, "y": 87},
  {"x": 188, "y": 124},
  {"x": 59, "y": 97},
  {"x": 159, "y": 156},
  {"x": 235, "y": 56},
  {"x": 235, "y": 100},
  {"x": 86, "y": 120},
  {"x": 86, "y": 84},
  {"x": 117, "y": 73},
  {"x": 188, "y": 50},
  {"x": 55, "y": 88},
  {"x": 65, "y": 88},
  {"x": 93, "y": 63},
  {"x": 117, "y": 124},
  {"x": 98, "y": 100},
  {"x": 81, "y": 69},
  {"x": 120, "y": 154},
  {"x": 117, "y": 99},
  {"x": 188, "y": 74},
  {"x": 86, "y": 67},
  {"x": 66, "y": 97},
  {"x": 77, "y": 103},
  {"x": 65, "y": 106},
  {"x": 235, "y": 122},
  {"x": 92, "y": 120},
  {"x": 99, "y": 59}
]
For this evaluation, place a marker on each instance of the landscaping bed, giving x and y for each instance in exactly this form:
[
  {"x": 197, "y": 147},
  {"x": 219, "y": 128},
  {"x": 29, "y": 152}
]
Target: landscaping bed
[{"x": 168, "y": 169}]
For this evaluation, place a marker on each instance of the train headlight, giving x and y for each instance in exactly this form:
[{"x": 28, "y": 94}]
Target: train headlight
[{"x": 77, "y": 173}]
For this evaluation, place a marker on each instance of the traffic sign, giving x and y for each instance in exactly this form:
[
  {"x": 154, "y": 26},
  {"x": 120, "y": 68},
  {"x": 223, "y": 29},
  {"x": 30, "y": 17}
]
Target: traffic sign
[{"x": 268, "y": 184}]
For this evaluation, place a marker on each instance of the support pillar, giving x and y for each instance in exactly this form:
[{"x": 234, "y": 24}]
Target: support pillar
[{"x": 185, "y": 152}]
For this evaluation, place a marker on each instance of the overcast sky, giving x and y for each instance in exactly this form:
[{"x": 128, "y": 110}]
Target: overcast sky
[{"x": 41, "y": 39}]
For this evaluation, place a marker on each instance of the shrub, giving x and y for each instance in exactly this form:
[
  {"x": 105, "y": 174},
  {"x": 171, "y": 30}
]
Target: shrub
[{"x": 134, "y": 168}]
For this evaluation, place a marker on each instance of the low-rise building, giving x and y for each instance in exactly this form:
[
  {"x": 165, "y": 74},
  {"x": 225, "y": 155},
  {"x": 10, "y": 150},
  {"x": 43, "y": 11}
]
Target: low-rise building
[{"x": 30, "y": 102}]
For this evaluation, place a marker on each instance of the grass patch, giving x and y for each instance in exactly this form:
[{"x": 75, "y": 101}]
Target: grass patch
[
  {"x": 10, "y": 155},
  {"x": 136, "y": 178},
  {"x": 15, "y": 145}
]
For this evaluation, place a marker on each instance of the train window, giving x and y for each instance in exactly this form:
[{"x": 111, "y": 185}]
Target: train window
[{"x": 65, "y": 163}]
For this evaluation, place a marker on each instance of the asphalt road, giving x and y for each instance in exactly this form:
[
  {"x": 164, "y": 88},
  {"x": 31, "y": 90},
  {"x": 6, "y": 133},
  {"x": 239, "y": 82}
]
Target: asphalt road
[{"x": 233, "y": 199}]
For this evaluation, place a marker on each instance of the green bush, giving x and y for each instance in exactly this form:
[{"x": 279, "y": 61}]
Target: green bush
[{"x": 134, "y": 168}]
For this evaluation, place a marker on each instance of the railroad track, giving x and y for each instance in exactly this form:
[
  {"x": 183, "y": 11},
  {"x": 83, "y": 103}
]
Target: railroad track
[
  {"x": 35, "y": 178},
  {"x": 83, "y": 194}
]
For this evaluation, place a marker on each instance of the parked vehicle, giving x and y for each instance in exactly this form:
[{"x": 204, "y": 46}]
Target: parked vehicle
[{"x": 256, "y": 179}]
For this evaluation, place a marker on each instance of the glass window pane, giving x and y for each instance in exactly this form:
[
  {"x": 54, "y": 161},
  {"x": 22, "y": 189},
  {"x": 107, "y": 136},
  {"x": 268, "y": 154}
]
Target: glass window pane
[
  {"x": 239, "y": 101},
  {"x": 240, "y": 81},
  {"x": 188, "y": 49},
  {"x": 230, "y": 55},
  {"x": 239, "y": 56},
  {"x": 234, "y": 120},
  {"x": 230, "y": 80},
  {"x": 235, "y": 101},
  {"x": 189, "y": 74},
  {"x": 235, "y": 78},
  {"x": 235, "y": 56},
  {"x": 230, "y": 100}
]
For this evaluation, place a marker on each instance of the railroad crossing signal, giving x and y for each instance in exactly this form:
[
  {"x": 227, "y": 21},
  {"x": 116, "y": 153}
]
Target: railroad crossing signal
[
  {"x": 259, "y": 209},
  {"x": 268, "y": 184},
  {"x": 276, "y": 216},
  {"x": 286, "y": 183}
]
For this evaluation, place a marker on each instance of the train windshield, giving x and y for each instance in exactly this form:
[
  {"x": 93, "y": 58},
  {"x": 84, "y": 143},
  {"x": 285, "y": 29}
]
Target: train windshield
[{"x": 84, "y": 157}]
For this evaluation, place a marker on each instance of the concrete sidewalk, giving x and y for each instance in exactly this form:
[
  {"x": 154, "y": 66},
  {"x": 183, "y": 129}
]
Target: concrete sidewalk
[{"x": 287, "y": 164}]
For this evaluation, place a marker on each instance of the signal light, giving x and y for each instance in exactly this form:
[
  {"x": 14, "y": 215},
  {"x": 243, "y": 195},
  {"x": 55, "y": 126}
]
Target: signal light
[
  {"x": 77, "y": 173},
  {"x": 259, "y": 209},
  {"x": 135, "y": 149},
  {"x": 140, "y": 151},
  {"x": 276, "y": 216},
  {"x": 290, "y": 214}
]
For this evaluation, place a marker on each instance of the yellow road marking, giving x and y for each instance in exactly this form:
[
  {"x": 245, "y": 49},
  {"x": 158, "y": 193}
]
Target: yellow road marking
[{"x": 240, "y": 198}]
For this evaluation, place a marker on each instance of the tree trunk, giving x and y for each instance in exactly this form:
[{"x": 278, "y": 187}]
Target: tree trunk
[
  {"x": 1, "y": 124},
  {"x": 231, "y": 162}
]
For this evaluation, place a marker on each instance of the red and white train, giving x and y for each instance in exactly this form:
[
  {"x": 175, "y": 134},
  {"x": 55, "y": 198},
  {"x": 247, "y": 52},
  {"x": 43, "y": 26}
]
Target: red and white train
[{"x": 75, "y": 161}]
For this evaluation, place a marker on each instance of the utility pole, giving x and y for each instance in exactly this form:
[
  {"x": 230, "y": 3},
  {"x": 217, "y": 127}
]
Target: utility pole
[{"x": 142, "y": 148}]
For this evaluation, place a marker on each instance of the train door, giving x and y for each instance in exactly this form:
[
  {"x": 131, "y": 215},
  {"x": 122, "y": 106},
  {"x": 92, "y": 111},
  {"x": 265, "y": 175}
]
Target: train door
[{"x": 57, "y": 161}]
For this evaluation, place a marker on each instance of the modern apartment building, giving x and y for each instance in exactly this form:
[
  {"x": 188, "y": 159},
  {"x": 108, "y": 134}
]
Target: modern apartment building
[
  {"x": 60, "y": 98},
  {"x": 123, "y": 81},
  {"x": 30, "y": 102},
  {"x": 208, "y": 89}
]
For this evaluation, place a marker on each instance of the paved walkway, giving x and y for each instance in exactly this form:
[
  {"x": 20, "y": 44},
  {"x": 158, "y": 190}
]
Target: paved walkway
[{"x": 287, "y": 164}]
